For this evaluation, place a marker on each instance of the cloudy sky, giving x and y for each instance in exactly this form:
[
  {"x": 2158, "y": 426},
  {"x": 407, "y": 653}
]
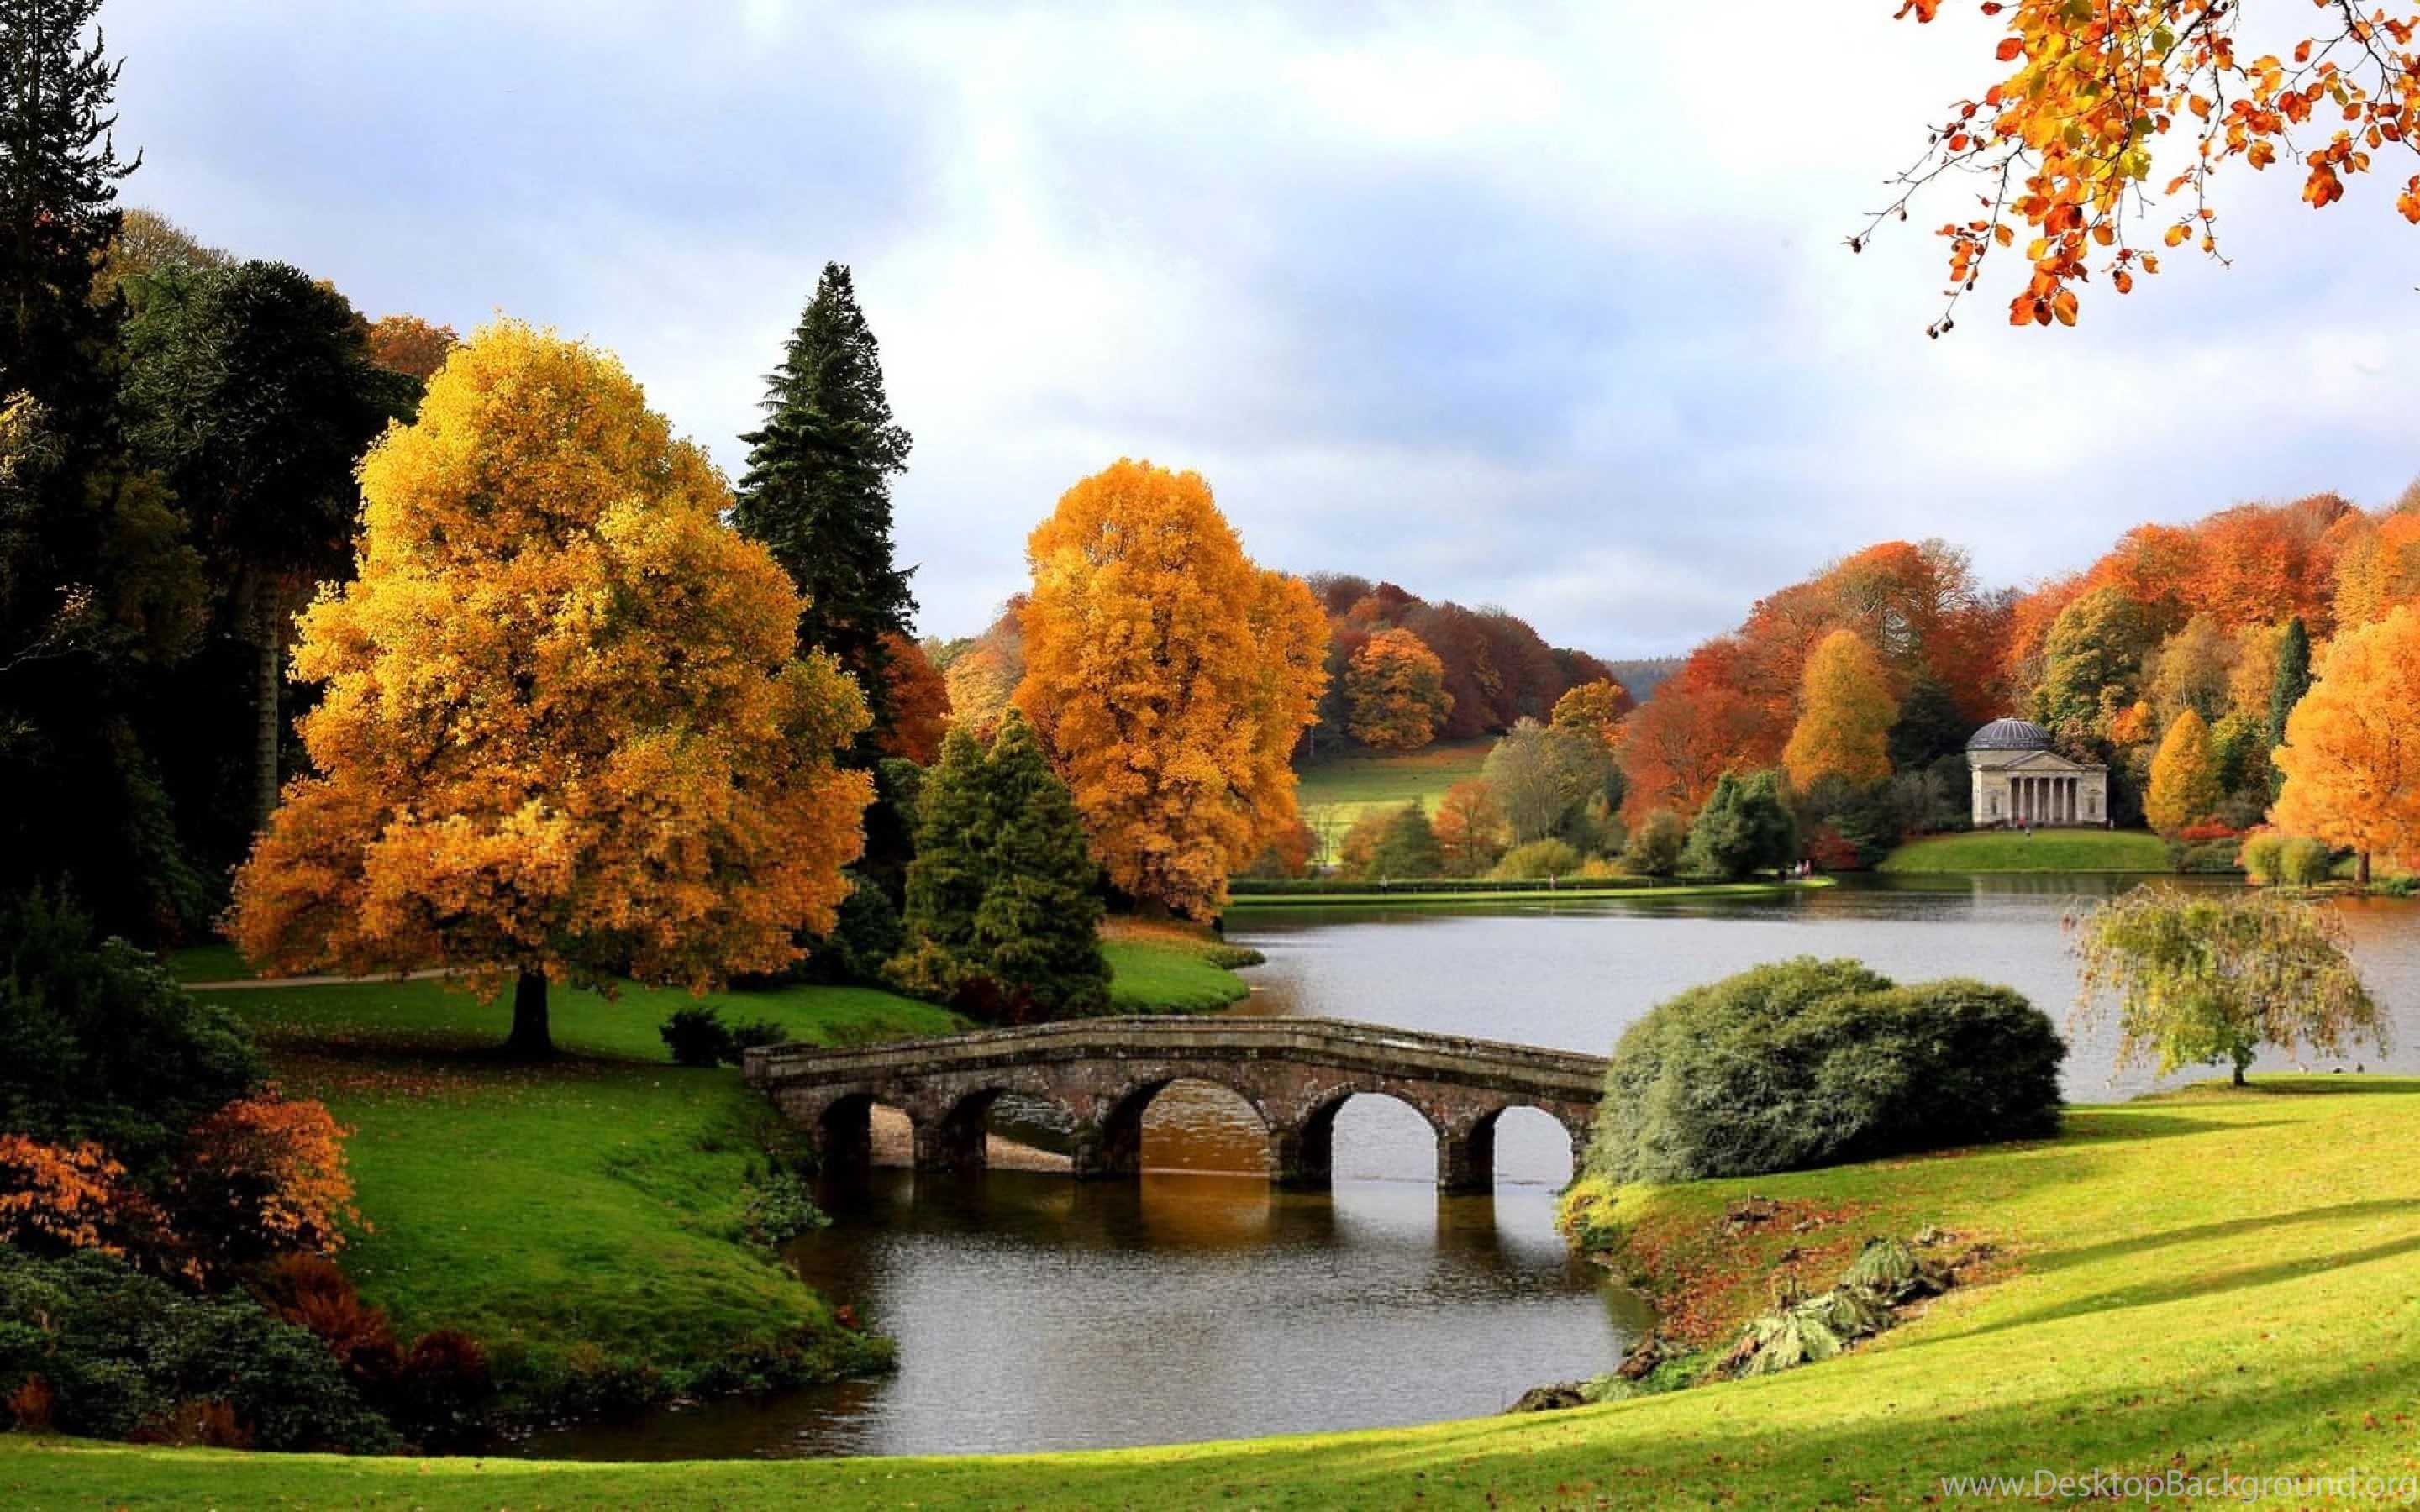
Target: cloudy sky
[{"x": 1537, "y": 305}]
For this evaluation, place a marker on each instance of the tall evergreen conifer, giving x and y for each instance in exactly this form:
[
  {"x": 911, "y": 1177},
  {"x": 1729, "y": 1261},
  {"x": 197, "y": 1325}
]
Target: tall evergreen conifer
[
  {"x": 59, "y": 172},
  {"x": 817, "y": 488},
  {"x": 1037, "y": 932},
  {"x": 98, "y": 588},
  {"x": 2294, "y": 681},
  {"x": 1001, "y": 911}
]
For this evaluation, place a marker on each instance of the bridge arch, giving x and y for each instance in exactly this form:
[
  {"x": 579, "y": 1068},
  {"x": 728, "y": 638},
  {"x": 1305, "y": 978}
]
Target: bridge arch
[
  {"x": 1302, "y": 1152},
  {"x": 1111, "y": 1145},
  {"x": 1466, "y": 1157}
]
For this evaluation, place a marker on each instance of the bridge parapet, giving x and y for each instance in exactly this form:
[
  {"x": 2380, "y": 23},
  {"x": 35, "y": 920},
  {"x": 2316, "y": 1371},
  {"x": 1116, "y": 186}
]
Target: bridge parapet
[{"x": 1101, "y": 1073}]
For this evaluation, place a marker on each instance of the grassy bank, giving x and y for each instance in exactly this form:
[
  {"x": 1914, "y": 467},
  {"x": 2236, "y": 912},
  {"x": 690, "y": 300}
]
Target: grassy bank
[
  {"x": 1170, "y": 968},
  {"x": 1348, "y": 784},
  {"x": 587, "y": 1219},
  {"x": 2045, "y": 850},
  {"x": 2208, "y": 1281},
  {"x": 1573, "y": 893}
]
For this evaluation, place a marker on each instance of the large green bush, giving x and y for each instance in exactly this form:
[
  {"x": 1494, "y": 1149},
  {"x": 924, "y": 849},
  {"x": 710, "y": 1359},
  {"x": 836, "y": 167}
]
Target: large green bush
[
  {"x": 119, "y": 1354},
  {"x": 102, "y": 1043},
  {"x": 1812, "y": 1063}
]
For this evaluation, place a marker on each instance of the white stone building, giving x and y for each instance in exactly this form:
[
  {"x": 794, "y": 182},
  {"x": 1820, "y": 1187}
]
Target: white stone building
[{"x": 2019, "y": 779}]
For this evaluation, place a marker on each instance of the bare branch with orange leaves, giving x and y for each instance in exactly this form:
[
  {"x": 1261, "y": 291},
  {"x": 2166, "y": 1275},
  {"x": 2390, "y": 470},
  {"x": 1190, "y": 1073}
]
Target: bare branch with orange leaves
[{"x": 2065, "y": 143}]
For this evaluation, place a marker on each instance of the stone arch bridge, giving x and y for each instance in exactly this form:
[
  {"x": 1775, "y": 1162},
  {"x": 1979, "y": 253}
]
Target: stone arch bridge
[{"x": 1101, "y": 1075}]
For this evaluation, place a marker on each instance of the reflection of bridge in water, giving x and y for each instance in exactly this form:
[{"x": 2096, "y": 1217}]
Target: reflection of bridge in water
[{"x": 1101, "y": 1075}]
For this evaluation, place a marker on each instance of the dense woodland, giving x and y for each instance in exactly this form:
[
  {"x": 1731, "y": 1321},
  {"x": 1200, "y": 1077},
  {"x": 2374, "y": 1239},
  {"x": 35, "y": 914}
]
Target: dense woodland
[{"x": 373, "y": 649}]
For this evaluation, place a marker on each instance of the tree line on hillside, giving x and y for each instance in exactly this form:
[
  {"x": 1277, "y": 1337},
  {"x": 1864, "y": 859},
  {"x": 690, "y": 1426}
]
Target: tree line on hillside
[{"x": 2234, "y": 674}]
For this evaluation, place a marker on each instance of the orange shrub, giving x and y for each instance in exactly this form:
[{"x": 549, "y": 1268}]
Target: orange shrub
[
  {"x": 266, "y": 1176},
  {"x": 55, "y": 1199}
]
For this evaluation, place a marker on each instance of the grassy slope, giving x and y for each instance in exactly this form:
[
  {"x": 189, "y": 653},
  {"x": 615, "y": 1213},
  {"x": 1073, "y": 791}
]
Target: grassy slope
[
  {"x": 598, "y": 1200},
  {"x": 2214, "y": 1280},
  {"x": 2046, "y": 850},
  {"x": 1352, "y": 784}
]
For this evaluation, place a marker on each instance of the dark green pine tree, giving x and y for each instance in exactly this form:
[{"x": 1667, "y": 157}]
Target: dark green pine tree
[
  {"x": 59, "y": 172},
  {"x": 817, "y": 488},
  {"x": 1037, "y": 932},
  {"x": 947, "y": 879},
  {"x": 2294, "y": 681},
  {"x": 98, "y": 588}
]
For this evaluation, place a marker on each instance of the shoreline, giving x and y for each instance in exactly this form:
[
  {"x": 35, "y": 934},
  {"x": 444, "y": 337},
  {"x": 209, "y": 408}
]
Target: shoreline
[{"x": 1575, "y": 894}]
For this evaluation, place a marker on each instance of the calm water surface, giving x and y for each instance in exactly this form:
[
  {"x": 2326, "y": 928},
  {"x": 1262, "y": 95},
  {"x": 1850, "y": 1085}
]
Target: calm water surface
[{"x": 1035, "y": 1314}]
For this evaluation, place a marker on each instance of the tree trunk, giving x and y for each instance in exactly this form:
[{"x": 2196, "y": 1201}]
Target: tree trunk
[
  {"x": 269, "y": 643},
  {"x": 2361, "y": 870},
  {"x": 531, "y": 1039}
]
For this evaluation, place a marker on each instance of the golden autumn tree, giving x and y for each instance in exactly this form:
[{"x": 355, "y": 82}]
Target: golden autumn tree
[
  {"x": 1170, "y": 679},
  {"x": 2351, "y": 756},
  {"x": 1396, "y": 688},
  {"x": 2108, "y": 102},
  {"x": 1845, "y": 712},
  {"x": 1596, "y": 707},
  {"x": 2184, "y": 776},
  {"x": 564, "y": 729}
]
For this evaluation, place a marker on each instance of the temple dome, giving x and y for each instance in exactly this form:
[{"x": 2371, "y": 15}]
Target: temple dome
[{"x": 2011, "y": 734}]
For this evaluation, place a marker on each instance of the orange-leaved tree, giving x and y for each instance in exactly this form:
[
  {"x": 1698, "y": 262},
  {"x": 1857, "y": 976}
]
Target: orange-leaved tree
[
  {"x": 565, "y": 730},
  {"x": 1168, "y": 678},
  {"x": 920, "y": 701},
  {"x": 1396, "y": 686},
  {"x": 2351, "y": 756},
  {"x": 1469, "y": 827},
  {"x": 2109, "y": 102},
  {"x": 1845, "y": 711}
]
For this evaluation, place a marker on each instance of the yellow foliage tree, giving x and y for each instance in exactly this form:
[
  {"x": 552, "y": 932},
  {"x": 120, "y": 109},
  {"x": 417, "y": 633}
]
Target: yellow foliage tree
[
  {"x": 1396, "y": 686},
  {"x": 2351, "y": 756},
  {"x": 2184, "y": 776},
  {"x": 564, "y": 730},
  {"x": 1170, "y": 679},
  {"x": 1596, "y": 707},
  {"x": 1845, "y": 712}
]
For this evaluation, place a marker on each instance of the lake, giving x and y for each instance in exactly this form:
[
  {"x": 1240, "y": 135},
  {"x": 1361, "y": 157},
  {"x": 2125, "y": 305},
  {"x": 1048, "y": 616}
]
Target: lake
[{"x": 1032, "y": 1313}]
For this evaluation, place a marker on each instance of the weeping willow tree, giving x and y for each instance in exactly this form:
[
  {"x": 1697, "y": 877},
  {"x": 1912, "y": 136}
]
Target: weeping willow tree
[{"x": 2206, "y": 979}]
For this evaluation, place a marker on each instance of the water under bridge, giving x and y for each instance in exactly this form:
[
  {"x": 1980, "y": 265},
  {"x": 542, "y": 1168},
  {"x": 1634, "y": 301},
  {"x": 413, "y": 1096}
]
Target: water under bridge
[{"x": 1101, "y": 1075}]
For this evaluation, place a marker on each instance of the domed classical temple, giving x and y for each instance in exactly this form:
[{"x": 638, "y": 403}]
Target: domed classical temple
[{"x": 2019, "y": 779}]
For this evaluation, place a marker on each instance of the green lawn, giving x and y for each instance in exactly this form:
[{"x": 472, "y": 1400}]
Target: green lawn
[
  {"x": 581, "y": 1218},
  {"x": 1348, "y": 784},
  {"x": 2045, "y": 850},
  {"x": 2213, "y": 1281},
  {"x": 1167, "y": 976}
]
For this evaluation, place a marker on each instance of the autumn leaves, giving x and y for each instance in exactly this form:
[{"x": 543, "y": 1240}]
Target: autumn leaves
[
  {"x": 567, "y": 729},
  {"x": 1168, "y": 678},
  {"x": 2064, "y": 142}
]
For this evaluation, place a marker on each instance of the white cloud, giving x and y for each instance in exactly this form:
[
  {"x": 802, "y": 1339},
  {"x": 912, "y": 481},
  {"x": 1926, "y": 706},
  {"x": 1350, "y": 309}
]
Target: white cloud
[{"x": 1543, "y": 305}]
